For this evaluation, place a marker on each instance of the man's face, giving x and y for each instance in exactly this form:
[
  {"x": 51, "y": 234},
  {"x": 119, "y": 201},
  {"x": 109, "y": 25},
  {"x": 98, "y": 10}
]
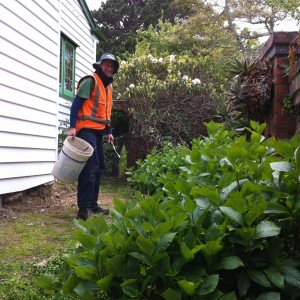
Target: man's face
[{"x": 108, "y": 67}]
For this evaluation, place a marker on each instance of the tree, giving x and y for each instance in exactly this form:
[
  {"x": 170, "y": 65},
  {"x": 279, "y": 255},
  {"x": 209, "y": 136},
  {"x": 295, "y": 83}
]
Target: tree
[
  {"x": 175, "y": 80},
  {"x": 120, "y": 20},
  {"x": 248, "y": 20}
]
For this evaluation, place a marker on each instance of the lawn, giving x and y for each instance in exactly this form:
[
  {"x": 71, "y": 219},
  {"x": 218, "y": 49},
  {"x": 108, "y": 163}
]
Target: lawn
[{"x": 36, "y": 229}]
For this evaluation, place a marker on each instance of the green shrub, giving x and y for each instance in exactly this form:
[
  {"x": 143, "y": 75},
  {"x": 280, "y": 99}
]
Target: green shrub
[
  {"x": 226, "y": 227},
  {"x": 158, "y": 166}
]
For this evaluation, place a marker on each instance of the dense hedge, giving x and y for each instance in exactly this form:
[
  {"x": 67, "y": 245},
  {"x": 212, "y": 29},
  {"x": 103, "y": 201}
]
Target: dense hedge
[{"x": 224, "y": 225}]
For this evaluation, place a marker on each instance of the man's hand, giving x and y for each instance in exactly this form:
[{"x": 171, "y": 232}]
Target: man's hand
[
  {"x": 110, "y": 138},
  {"x": 72, "y": 132}
]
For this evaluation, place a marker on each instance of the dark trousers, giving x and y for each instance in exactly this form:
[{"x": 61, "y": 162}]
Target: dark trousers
[{"x": 89, "y": 178}]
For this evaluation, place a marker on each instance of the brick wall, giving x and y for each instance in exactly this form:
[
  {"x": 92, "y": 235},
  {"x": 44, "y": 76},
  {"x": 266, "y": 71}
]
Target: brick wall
[{"x": 279, "y": 124}]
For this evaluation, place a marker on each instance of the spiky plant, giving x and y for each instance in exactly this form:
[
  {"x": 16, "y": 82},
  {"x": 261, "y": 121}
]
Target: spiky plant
[{"x": 250, "y": 93}]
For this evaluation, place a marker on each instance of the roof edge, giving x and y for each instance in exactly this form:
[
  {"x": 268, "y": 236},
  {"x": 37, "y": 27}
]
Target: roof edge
[{"x": 86, "y": 11}]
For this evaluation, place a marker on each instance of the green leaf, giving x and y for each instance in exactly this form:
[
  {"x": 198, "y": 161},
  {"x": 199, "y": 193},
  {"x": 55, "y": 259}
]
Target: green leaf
[
  {"x": 71, "y": 259},
  {"x": 212, "y": 233},
  {"x": 197, "y": 249},
  {"x": 227, "y": 190},
  {"x": 141, "y": 257},
  {"x": 266, "y": 229},
  {"x": 162, "y": 228},
  {"x": 226, "y": 179},
  {"x": 211, "y": 249},
  {"x": 186, "y": 252},
  {"x": 297, "y": 161},
  {"x": 276, "y": 208},
  {"x": 236, "y": 201},
  {"x": 284, "y": 149},
  {"x": 229, "y": 263},
  {"x": 80, "y": 224},
  {"x": 146, "y": 245},
  {"x": 213, "y": 128},
  {"x": 259, "y": 277},
  {"x": 275, "y": 277},
  {"x": 290, "y": 273},
  {"x": 105, "y": 282},
  {"x": 116, "y": 265},
  {"x": 171, "y": 294},
  {"x": 229, "y": 296},
  {"x": 85, "y": 288},
  {"x": 232, "y": 214},
  {"x": 147, "y": 227},
  {"x": 236, "y": 153},
  {"x": 208, "y": 285},
  {"x": 209, "y": 192},
  {"x": 163, "y": 242},
  {"x": 183, "y": 186},
  {"x": 189, "y": 205},
  {"x": 71, "y": 283},
  {"x": 85, "y": 239},
  {"x": 188, "y": 287},
  {"x": 119, "y": 206},
  {"x": 269, "y": 296},
  {"x": 150, "y": 208},
  {"x": 243, "y": 283},
  {"x": 255, "y": 210},
  {"x": 87, "y": 272},
  {"x": 131, "y": 290},
  {"x": 48, "y": 282}
]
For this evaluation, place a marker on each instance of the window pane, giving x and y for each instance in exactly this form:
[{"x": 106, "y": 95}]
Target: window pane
[
  {"x": 68, "y": 67},
  {"x": 60, "y": 63}
]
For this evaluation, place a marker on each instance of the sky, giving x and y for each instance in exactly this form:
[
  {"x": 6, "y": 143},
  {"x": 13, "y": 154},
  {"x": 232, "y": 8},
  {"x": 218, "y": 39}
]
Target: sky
[
  {"x": 94, "y": 4},
  {"x": 283, "y": 26}
]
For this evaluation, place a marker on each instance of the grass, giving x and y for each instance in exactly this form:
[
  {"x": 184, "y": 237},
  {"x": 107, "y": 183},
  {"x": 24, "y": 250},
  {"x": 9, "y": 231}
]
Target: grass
[
  {"x": 117, "y": 187},
  {"x": 32, "y": 239}
]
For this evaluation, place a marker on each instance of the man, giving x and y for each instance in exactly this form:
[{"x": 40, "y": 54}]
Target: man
[{"x": 90, "y": 121}]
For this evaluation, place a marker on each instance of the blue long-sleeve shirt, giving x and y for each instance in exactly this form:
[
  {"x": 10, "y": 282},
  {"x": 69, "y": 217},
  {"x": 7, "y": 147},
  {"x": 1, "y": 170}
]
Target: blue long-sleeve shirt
[{"x": 75, "y": 107}]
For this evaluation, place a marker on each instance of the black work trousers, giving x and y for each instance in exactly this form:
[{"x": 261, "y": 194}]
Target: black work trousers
[{"x": 89, "y": 178}]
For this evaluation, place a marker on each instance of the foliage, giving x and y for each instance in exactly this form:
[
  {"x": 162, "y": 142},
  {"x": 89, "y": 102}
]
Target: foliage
[
  {"x": 291, "y": 6},
  {"x": 226, "y": 228},
  {"x": 169, "y": 93},
  {"x": 123, "y": 162},
  {"x": 21, "y": 289},
  {"x": 259, "y": 18},
  {"x": 120, "y": 125},
  {"x": 119, "y": 21},
  {"x": 250, "y": 93},
  {"x": 288, "y": 107},
  {"x": 111, "y": 160},
  {"x": 157, "y": 166}
]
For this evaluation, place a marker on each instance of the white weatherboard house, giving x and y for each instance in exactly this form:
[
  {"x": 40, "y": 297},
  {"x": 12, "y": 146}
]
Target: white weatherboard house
[{"x": 46, "y": 46}]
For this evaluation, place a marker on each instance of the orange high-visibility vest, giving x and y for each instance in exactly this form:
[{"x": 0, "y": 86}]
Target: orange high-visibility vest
[{"x": 95, "y": 111}]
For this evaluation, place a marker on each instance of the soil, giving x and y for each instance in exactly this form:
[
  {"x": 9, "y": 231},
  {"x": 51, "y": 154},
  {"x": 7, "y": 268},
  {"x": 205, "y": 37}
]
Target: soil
[{"x": 52, "y": 198}]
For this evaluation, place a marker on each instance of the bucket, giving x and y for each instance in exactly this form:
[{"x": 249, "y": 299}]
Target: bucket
[{"x": 71, "y": 159}]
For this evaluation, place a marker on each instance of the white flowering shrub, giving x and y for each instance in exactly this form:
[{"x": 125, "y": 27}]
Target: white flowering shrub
[{"x": 170, "y": 94}]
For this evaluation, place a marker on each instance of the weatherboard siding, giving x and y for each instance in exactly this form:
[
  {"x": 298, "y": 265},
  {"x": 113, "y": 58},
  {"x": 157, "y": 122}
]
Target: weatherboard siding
[
  {"x": 75, "y": 26},
  {"x": 31, "y": 110},
  {"x": 29, "y": 92}
]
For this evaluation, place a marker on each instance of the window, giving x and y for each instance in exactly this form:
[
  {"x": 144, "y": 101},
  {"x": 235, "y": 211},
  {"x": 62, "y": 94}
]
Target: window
[{"x": 67, "y": 68}]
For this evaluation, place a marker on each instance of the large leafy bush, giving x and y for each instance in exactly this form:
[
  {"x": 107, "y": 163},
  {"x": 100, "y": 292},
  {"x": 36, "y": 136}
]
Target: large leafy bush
[
  {"x": 174, "y": 81},
  {"x": 159, "y": 165},
  {"x": 225, "y": 227}
]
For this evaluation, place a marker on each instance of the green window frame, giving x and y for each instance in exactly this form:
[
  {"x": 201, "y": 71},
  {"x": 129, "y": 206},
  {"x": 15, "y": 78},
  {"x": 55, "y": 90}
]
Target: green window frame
[{"x": 67, "y": 68}]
